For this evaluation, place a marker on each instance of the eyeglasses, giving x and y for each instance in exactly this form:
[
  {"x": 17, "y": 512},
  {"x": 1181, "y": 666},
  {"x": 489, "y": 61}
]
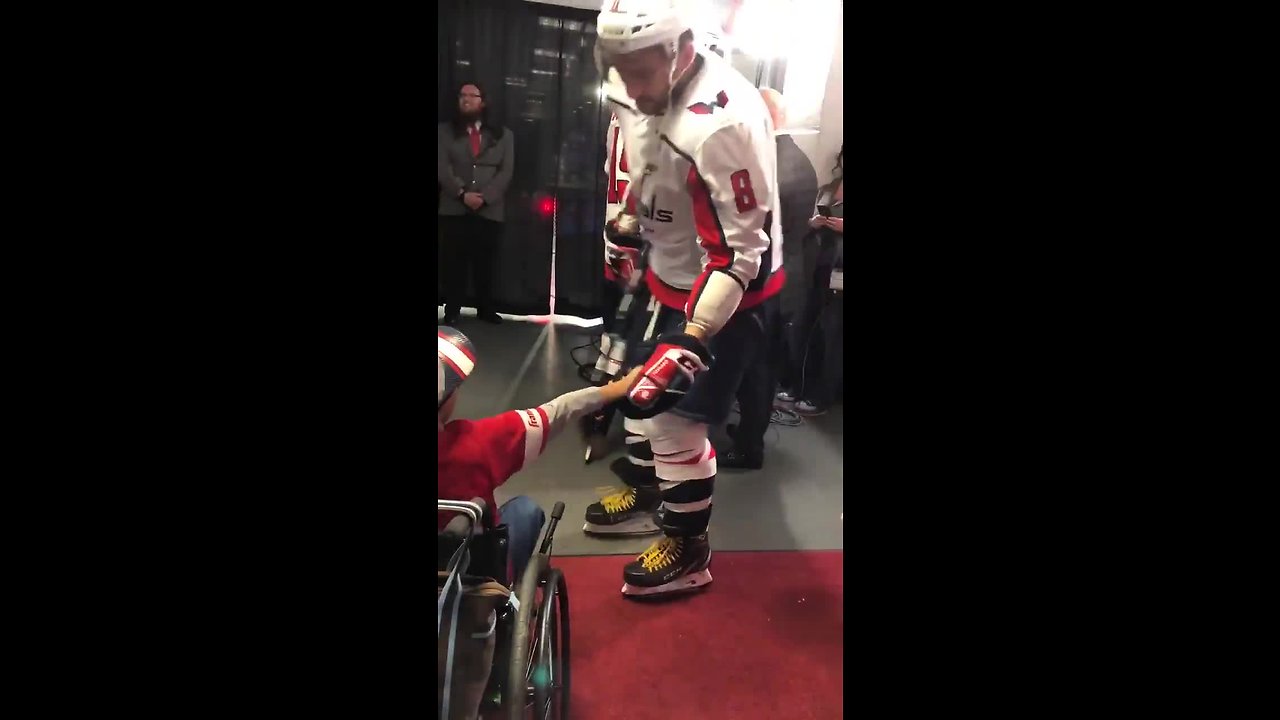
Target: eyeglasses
[{"x": 474, "y": 95}]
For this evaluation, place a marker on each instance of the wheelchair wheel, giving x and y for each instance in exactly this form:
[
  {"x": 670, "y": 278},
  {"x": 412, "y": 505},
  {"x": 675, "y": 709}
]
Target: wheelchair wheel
[
  {"x": 551, "y": 658},
  {"x": 539, "y": 658}
]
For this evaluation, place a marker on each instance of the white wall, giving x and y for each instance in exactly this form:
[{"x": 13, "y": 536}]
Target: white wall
[
  {"x": 831, "y": 126},
  {"x": 822, "y": 144}
]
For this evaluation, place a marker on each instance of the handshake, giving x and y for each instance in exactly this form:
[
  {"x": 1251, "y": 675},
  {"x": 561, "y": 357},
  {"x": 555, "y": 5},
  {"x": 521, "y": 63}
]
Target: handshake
[
  {"x": 649, "y": 389},
  {"x": 660, "y": 383}
]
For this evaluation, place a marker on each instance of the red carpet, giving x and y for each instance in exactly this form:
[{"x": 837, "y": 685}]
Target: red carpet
[{"x": 764, "y": 640}]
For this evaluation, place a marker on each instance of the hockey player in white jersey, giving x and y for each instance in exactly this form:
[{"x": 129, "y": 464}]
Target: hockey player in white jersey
[
  {"x": 701, "y": 156},
  {"x": 628, "y": 309},
  {"x": 628, "y": 340}
]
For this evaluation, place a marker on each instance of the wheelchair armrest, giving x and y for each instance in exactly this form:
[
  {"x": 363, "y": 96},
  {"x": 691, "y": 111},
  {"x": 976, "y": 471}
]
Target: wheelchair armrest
[{"x": 460, "y": 524}]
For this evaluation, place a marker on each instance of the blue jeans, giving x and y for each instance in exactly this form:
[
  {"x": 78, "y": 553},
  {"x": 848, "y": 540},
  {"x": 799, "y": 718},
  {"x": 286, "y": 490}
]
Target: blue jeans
[{"x": 523, "y": 519}]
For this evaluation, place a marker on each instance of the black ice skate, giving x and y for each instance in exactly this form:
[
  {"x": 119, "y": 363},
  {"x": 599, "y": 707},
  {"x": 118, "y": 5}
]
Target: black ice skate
[
  {"x": 625, "y": 512},
  {"x": 672, "y": 565}
]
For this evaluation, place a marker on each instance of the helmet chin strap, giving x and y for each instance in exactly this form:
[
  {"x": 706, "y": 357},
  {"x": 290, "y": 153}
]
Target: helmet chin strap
[{"x": 674, "y": 81}]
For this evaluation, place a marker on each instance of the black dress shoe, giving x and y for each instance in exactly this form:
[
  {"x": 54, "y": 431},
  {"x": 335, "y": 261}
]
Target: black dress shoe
[
  {"x": 490, "y": 317},
  {"x": 738, "y": 460}
]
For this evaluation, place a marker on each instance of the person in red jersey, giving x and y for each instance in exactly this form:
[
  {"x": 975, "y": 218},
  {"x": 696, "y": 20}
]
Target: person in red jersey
[{"x": 476, "y": 456}]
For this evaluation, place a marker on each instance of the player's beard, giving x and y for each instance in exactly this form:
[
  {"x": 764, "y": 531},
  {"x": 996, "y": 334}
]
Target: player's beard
[
  {"x": 653, "y": 107},
  {"x": 660, "y": 105},
  {"x": 469, "y": 116}
]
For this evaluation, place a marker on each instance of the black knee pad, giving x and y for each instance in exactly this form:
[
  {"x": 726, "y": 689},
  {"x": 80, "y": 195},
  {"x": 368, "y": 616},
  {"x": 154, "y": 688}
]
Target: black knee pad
[
  {"x": 639, "y": 450},
  {"x": 686, "y": 524},
  {"x": 634, "y": 475},
  {"x": 688, "y": 491},
  {"x": 678, "y": 524}
]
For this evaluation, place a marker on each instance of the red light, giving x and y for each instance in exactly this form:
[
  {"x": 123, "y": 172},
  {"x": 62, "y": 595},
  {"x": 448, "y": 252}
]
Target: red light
[{"x": 547, "y": 206}]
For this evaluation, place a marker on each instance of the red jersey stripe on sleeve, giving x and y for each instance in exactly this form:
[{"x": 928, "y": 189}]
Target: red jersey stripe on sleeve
[
  {"x": 545, "y": 424},
  {"x": 710, "y": 235}
]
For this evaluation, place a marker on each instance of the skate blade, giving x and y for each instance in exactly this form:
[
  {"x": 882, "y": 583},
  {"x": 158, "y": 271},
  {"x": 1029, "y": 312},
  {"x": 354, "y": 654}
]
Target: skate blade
[
  {"x": 637, "y": 526},
  {"x": 679, "y": 585},
  {"x": 597, "y": 447}
]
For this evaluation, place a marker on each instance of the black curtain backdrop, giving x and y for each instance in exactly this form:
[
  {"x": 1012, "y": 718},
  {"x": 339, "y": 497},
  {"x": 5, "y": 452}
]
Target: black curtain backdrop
[{"x": 535, "y": 63}]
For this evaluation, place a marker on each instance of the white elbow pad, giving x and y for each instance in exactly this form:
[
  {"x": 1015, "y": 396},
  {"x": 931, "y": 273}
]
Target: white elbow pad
[{"x": 714, "y": 301}]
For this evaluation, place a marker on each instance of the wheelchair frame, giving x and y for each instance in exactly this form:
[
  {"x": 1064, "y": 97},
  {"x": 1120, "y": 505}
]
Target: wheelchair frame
[{"x": 533, "y": 628}]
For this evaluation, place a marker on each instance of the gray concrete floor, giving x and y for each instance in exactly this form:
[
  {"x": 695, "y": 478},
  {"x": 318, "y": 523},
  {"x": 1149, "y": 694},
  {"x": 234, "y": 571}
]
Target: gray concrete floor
[{"x": 794, "y": 503}]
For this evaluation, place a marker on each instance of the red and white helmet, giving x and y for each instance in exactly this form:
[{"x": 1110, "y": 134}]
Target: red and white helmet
[
  {"x": 455, "y": 359},
  {"x": 625, "y": 26}
]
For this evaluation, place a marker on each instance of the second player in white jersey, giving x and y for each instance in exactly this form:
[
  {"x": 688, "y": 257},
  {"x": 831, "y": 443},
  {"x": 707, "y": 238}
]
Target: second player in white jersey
[{"x": 617, "y": 169}]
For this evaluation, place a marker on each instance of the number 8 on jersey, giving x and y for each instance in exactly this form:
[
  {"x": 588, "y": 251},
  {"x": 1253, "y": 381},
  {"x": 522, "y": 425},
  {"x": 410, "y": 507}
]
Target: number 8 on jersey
[{"x": 743, "y": 195}]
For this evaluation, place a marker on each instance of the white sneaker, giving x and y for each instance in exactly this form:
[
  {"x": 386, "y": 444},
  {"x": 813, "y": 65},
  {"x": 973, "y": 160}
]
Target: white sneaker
[
  {"x": 785, "y": 397},
  {"x": 808, "y": 409}
]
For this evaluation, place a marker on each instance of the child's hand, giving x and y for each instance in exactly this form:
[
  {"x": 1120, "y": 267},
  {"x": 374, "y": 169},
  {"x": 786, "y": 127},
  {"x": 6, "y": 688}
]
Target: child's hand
[{"x": 617, "y": 389}]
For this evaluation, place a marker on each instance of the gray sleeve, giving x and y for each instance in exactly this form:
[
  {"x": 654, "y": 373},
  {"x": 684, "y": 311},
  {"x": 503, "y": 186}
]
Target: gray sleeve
[
  {"x": 543, "y": 423},
  {"x": 566, "y": 409},
  {"x": 450, "y": 184},
  {"x": 797, "y": 186},
  {"x": 497, "y": 187}
]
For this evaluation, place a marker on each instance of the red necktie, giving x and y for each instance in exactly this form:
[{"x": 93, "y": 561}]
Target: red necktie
[{"x": 475, "y": 141}]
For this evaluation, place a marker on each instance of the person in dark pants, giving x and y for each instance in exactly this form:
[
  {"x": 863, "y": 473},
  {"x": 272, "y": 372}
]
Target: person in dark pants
[
  {"x": 755, "y": 396},
  {"x": 475, "y": 159},
  {"x": 816, "y": 358},
  {"x": 827, "y": 385},
  {"x": 797, "y": 186}
]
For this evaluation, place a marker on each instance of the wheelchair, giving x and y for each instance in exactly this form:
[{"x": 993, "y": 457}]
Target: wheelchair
[{"x": 503, "y": 647}]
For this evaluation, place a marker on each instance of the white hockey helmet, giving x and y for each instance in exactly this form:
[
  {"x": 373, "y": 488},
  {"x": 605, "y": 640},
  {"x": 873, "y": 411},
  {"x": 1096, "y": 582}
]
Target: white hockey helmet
[{"x": 625, "y": 26}]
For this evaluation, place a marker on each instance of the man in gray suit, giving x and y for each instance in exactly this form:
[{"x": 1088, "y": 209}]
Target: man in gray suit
[{"x": 474, "y": 163}]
